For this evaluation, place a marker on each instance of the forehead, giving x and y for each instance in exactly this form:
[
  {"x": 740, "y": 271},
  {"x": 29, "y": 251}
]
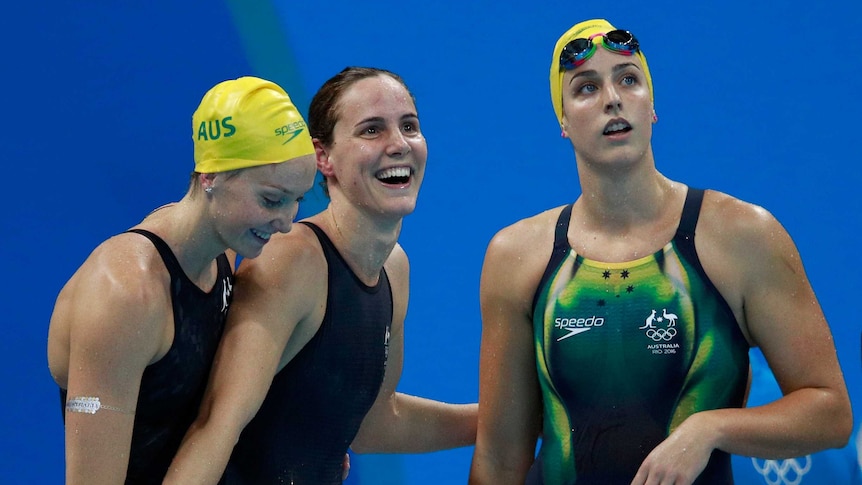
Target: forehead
[
  {"x": 375, "y": 96},
  {"x": 291, "y": 175}
]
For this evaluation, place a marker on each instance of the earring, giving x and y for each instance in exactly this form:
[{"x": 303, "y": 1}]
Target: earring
[
  {"x": 562, "y": 134},
  {"x": 654, "y": 118},
  {"x": 208, "y": 190}
]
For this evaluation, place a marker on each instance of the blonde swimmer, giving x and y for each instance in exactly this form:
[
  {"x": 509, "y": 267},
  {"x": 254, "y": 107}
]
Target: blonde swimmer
[{"x": 134, "y": 330}]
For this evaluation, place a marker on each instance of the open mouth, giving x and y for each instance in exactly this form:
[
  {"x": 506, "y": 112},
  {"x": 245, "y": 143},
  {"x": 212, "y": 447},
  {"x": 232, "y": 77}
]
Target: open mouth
[
  {"x": 617, "y": 127},
  {"x": 263, "y": 236},
  {"x": 395, "y": 175}
]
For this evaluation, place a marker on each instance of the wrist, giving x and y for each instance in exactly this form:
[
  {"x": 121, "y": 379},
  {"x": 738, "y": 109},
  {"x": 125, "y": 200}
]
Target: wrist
[{"x": 709, "y": 426}]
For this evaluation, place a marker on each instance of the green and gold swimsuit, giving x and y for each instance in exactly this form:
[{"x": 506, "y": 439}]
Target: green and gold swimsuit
[{"x": 627, "y": 351}]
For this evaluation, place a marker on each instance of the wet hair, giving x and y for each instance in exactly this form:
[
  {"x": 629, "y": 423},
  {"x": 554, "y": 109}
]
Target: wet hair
[{"x": 323, "y": 111}]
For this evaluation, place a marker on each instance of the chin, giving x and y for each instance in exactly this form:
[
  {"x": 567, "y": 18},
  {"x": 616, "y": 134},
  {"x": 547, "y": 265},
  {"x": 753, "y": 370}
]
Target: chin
[
  {"x": 405, "y": 208},
  {"x": 248, "y": 251},
  {"x": 396, "y": 205}
]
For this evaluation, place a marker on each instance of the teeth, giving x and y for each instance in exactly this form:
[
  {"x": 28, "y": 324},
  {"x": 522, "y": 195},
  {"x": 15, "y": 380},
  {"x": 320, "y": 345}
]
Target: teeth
[
  {"x": 263, "y": 235},
  {"x": 394, "y": 172},
  {"x": 617, "y": 127}
]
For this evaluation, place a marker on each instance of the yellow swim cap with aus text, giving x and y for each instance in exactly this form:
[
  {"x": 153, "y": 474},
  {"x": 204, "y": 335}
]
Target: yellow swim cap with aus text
[{"x": 247, "y": 122}]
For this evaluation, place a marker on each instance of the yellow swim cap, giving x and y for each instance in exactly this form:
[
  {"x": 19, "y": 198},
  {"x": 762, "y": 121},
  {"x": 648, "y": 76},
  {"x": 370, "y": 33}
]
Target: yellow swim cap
[
  {"x": 247, "y": 122},
  {"x": 583, "y": 30}
]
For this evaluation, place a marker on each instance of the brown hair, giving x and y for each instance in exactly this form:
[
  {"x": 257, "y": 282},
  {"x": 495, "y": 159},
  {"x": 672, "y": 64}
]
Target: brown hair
[{"x": 323, "y": 111}]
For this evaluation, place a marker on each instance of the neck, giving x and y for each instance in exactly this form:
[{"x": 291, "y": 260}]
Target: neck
[
  {"x": 618, "y": 198},
  {"x": 185, "y": 227},
  {"x": 364, "y": 241}
]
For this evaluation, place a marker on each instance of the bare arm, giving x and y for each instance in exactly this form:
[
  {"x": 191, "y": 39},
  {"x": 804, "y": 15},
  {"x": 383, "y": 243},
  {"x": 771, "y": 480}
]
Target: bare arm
[
  {"x": 783, "y": 317},
  {"x": 509, "y": 399},
  {"x": 108, "y": 325},
  {"x": 756, "y": 265},
  {"x": 269, "y": 303},
  {"x": 400, "y": 423}
]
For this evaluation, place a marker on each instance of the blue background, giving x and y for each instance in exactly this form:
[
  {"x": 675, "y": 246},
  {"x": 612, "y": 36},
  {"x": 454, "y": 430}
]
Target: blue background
[{"x": 97, "y": 101}]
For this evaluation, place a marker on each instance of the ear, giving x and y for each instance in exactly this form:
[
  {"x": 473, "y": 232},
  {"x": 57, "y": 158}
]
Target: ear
[
  {"x": 207, "y": 180},
  {"x": 324, "y": 163},
  {"x": 564, "y": 128},
  {"x": 654, "y": 116}
]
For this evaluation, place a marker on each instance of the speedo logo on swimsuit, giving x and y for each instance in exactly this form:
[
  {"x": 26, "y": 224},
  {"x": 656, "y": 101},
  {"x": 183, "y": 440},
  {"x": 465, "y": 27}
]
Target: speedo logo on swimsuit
[{"x": 575, "y": 326}]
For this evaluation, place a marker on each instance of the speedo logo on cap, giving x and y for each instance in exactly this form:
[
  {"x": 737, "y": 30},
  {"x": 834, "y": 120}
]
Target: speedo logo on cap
[
  {"x": 215, "y": 129},
  {"x": 291, "y": 130}
]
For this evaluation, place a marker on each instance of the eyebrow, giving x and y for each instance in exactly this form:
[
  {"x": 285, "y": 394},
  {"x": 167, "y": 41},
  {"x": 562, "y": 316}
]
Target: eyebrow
[
  {"x": 380, "y": 119},
  {"x": 372, "y": 119},
  {"x": 276, "y": 187},
  {"x": 593, "y": 72}
]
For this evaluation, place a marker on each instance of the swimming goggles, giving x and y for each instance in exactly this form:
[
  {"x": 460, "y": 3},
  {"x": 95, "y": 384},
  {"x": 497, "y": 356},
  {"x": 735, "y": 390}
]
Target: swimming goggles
[{"x": 579, "y": 50}]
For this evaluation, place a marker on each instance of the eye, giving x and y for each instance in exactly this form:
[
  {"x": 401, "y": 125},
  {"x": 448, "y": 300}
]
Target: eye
[
  {"x": 410, "y": 127},
  {"x": 274, "y": 204},
  {"x": 371, "y": 130},
  {"x": 587, "y": 88},
  {"x": 630, "y": 80}
]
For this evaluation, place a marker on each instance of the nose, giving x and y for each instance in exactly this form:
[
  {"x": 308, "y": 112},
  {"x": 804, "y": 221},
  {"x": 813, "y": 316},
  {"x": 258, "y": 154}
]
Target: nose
[
  {"x": 613, "y": 102},
  {"x": 398, "y": 146},
  {"x": 284, "y": 221},
  {"x": 282, "y": 225}
]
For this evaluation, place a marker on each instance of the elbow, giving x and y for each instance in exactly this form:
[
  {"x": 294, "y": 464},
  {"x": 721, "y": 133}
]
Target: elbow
[
  {"x": 840, "y": 427},
  {"x": 843, "y": 427},
  {"x": 207, "y": 416},
  {"x": 218, "y": 420},
  {"x": 841, "y": 437}
]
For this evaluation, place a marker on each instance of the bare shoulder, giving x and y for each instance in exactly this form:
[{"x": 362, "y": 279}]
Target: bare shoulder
[
  {"x": 397, "y": 264},
  {"x": 743, "y": 229},
  {"x": 745, "y": 250},
  {"x": 515, "y": 261},
  {"x": 116, "y": 304},
  {"x": 734, "y": 213},
  {"x": 289, "y": 278},
  {"x": 398, "y": 271},
  {"x": 286, "y": 259},
  {"x": 531, "y": 237},
  {"x": 124, "y": 273}
]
